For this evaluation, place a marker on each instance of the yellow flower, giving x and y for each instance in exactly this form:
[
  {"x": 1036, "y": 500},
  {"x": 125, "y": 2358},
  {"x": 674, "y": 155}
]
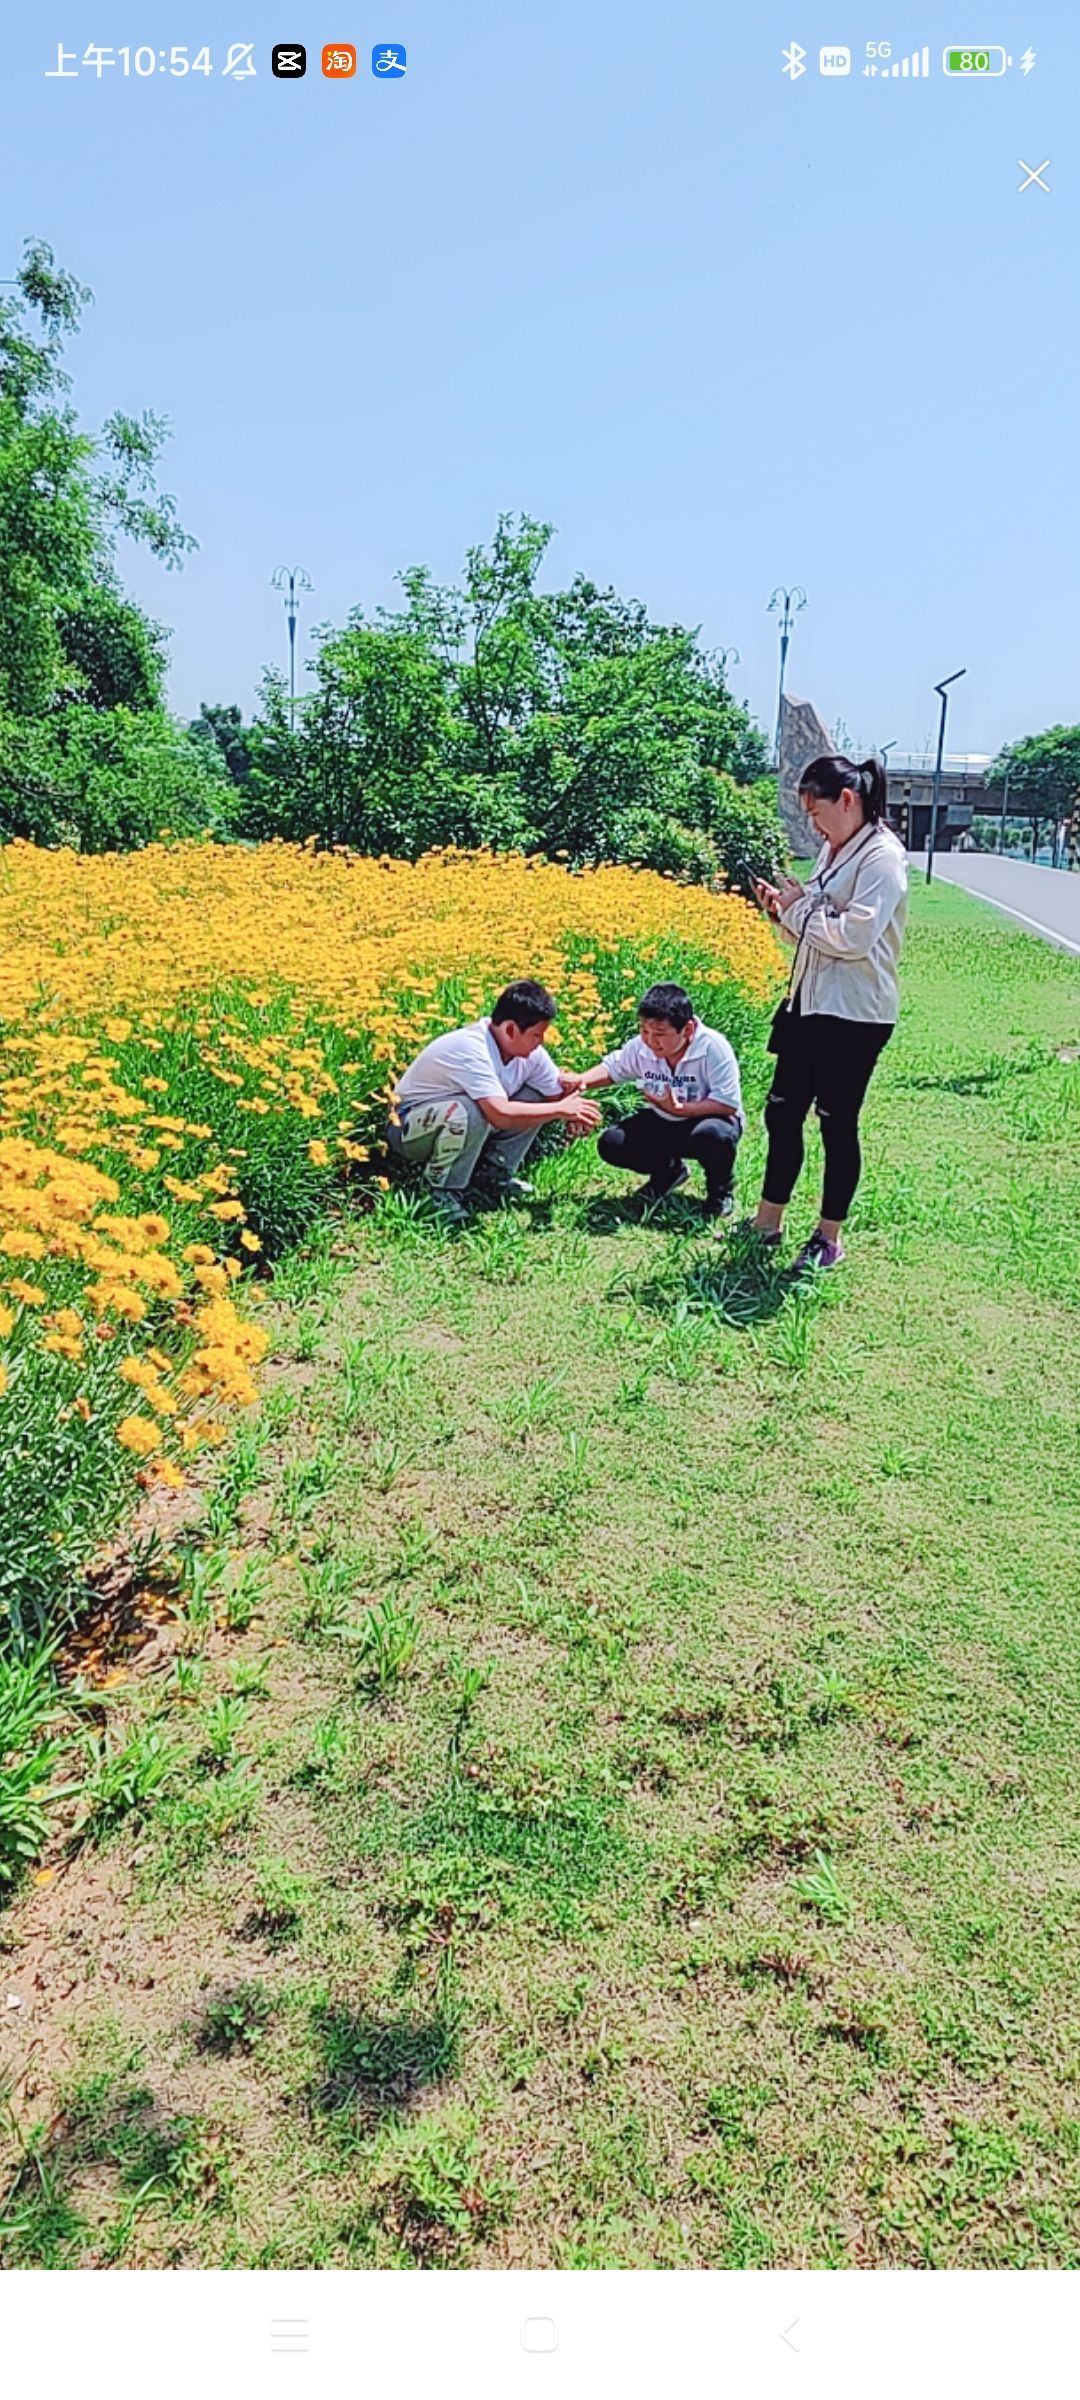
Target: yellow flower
[
  {"x": 161, "y": 1276},
  {"x": 3, "y": 1378},
  {"x": 318, "y": 1154},
  {"x": 7, "y": 1320},
  {"x": 173, "y": 1477},
  {"x": 30, "y": 1294},
  {"x": 138, "y": 1371},
  {"x": 249, "y": 1240},
  {"x": 112, "y": 1297},
  {"x": 197, "y": 1255},
  {"x": 155, "y": 1229},
  {"x": 140, "y": 1435},
  {"x": 62, "y": 1345},
  {"x": 22, "y": 1245},
  {"x": 67, "y": 1320},
  {"x": 212, "y": 1279}
]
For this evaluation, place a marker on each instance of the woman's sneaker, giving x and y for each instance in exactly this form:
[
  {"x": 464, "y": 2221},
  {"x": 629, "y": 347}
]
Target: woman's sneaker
[{"x": 817, "y": 1253}]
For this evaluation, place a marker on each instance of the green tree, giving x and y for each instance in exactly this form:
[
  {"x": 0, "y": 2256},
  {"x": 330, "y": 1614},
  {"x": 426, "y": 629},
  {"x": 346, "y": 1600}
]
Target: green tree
[
  {"x": 494, "y": 712},
  {"x": 221, "y": 728},
  {"x": 1043, "y": 771},
  {"x": 87, "y": 753}
]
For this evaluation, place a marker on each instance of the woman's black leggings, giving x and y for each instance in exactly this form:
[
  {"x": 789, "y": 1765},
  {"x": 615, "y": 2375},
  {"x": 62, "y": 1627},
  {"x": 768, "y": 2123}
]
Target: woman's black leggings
[{"x": 822, "y": 1062}]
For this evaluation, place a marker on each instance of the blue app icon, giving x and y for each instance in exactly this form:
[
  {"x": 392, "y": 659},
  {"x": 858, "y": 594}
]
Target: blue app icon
[{"x": 388, "y": 58}]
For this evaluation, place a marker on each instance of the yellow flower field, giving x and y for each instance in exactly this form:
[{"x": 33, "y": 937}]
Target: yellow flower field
[{"x": 195, "y": 1043}]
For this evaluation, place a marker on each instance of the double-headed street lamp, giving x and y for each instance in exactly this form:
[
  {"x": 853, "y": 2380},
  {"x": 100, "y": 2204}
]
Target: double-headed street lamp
[
  {"x": 291, "y": 581},
  {"x": 789, "y": 604},
  {"x": 942, "y": 689}
]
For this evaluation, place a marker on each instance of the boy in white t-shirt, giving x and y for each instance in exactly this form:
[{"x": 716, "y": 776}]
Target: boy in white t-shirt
[
  {"x": 482, "y": 1093},
  {"x": 689, "y": 1077}
]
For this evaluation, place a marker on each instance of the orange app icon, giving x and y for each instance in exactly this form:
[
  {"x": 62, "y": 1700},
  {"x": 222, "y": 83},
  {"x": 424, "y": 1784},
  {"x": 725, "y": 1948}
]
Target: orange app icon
[{"x": 339, "y": 58}]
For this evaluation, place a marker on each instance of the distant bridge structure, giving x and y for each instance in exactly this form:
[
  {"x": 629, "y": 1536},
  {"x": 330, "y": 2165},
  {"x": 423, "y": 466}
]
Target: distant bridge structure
[{"x": 965, "y": 793}]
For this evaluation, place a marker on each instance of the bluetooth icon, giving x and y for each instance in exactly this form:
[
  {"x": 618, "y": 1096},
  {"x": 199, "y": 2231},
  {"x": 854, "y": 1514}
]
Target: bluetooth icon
[{"x": 793, "y": 61}]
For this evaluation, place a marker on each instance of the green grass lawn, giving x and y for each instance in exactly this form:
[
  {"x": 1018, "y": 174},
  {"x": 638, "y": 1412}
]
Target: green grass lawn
[{"x": 639, "y": 1825}]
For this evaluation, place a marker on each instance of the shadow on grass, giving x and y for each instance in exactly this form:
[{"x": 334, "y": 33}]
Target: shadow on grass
[
  {"x": 373, "y": 2067},
  {"x": 118, "y": 2135},
  {"x": 734, "y": 1285},
  {"x": 728, "y": 1278},
  {"x": 965, "y": 1080}
]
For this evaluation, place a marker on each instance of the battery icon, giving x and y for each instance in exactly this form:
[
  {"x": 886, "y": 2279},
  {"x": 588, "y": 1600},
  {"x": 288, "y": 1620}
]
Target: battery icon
[{"x": 986, "y": 58}]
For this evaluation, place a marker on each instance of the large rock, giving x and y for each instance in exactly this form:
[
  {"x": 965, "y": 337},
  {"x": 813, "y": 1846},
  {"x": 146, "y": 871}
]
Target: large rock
[{"x": 802, "y": 737}]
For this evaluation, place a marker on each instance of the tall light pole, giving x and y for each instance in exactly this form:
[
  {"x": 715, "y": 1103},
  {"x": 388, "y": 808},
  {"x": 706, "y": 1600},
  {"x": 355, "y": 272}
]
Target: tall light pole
[
  {"x": 291, "y": 581},
  {"x": 1004, "y": 812},
  {"x": 883, "y": 754},
  {"x": 789, "y": 604},
  {"x": 942, "y": 689}
]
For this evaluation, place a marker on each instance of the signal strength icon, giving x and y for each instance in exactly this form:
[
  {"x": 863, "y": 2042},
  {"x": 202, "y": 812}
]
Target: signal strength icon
[{"x": 917, "y": 64}]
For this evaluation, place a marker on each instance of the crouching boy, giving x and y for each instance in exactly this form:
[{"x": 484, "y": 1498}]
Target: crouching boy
[
  {"x": 689, "y": 1077},
  {"x": 480, "y": 1096}
]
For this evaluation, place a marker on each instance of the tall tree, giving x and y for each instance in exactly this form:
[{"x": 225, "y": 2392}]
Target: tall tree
[
  {"x": 221, "y": 726},
  {"x": 1043, "y": 771},
  {"x": 79, "y": 663},
  {"x": 493, "y": 711}
]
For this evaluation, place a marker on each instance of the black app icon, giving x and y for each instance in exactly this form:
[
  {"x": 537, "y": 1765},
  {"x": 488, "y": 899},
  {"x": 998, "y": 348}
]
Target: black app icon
[{"x": 289, "y": 58}]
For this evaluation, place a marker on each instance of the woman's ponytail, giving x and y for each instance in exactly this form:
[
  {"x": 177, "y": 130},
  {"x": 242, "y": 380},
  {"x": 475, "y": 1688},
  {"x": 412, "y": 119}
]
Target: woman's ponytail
[{"x": 874, "y": 788}]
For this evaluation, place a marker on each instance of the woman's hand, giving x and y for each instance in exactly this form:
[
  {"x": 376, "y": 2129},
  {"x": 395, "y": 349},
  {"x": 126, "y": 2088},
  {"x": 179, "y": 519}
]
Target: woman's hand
[
  {"x": 787, "y": 890},
  {"x": 766, "y": 896}
]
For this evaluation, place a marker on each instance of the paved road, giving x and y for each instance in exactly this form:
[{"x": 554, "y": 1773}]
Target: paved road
[{"x": 1044, "y": 899}]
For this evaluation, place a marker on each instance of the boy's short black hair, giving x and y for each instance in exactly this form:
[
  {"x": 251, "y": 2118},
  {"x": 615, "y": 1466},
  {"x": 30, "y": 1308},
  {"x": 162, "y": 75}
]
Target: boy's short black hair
[
  {"x": 668, "y": 1003},
  {"x": 524, "y": 1004}
]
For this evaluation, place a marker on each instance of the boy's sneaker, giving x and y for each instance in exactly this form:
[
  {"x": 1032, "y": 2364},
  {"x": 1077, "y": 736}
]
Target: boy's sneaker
[
  {"x": 652, "y": 1191},
  {"x": 447, "y": 1206},
  {"x": 817, "y": 1253},
  {"x": 502, "y": 1185}
]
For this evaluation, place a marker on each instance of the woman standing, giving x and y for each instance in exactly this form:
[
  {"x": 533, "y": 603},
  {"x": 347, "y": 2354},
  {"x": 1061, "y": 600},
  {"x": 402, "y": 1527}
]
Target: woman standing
[{"x": 846, "y": 925}]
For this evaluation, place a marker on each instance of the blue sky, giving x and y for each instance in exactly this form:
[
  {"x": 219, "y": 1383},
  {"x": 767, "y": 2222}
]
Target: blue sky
[{"x": 605, "y": 264}]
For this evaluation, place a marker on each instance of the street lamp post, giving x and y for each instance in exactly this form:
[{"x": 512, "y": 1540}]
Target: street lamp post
[
  {"x": 883, "y": 753},
  {"x": 942, "y": 689},
  {"x": 291, "y": 581},
  {"x": 1004, "y": 812},
  {"x": 789, "y": 603}
]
